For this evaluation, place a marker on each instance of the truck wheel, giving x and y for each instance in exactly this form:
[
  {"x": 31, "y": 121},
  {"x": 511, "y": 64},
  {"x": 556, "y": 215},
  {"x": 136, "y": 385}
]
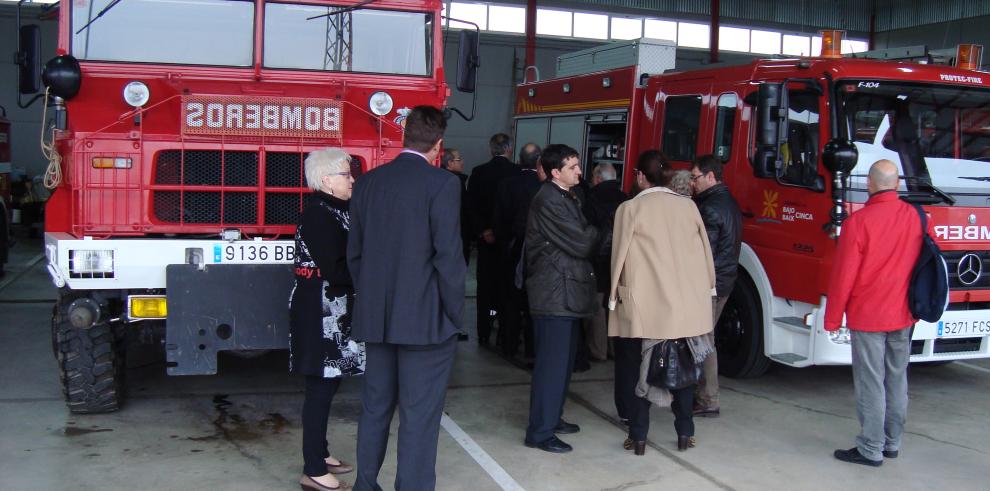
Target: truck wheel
[
  {"x": 91, "y": 363},
  {"x": 739, "y": 333}
]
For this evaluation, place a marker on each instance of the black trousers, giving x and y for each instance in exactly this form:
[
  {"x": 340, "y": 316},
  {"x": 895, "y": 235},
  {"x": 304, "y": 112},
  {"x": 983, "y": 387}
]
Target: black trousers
[
  {"x": 556, "y": 344},
  {"x": 636, "y": 410},
  {"x": 414, "y": 377},
  {"x": 514, "y": 321},
  {"x": 487, "y": 276},
  {"x": 316, "y": 410}
]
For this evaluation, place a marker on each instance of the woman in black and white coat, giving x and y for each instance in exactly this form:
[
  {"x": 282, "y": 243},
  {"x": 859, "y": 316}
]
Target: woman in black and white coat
[{"x": 320, "y": 307}]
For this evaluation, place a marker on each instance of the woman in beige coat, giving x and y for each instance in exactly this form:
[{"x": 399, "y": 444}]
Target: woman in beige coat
[{"x": 662, "y": 282}]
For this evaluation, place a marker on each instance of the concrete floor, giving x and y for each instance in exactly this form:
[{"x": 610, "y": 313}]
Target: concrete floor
[{"x": 241, "y": 429}]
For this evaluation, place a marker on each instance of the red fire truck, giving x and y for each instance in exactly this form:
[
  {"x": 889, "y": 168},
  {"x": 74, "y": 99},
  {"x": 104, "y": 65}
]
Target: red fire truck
[
  {"x": 797, "y": 137},
  {"x": 182, "y": 128}
]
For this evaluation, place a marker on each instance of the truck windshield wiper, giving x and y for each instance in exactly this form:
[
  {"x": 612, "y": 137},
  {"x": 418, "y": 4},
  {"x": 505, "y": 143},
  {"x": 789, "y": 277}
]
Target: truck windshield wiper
[
  {"x": 926, "y": 185},
  {"x": 344, "y": 10},
  {"x": 976, "y": 178},
  {"x": 99, "y": 14}
]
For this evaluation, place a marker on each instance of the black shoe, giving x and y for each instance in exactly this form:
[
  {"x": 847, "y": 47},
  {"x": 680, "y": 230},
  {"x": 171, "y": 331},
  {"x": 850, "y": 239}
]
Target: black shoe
[
  {"x": 553, "y": 445},
  {"x": 890, "y": 454},
  {"x": 565, "y": 428},
  {"x": 462, "y": 337},
  {"x": 854, "y": 457}
]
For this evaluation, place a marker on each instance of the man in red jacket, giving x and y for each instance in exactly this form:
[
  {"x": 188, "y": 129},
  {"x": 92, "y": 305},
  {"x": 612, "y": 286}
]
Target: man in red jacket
[{"x": 877, "y": 251}]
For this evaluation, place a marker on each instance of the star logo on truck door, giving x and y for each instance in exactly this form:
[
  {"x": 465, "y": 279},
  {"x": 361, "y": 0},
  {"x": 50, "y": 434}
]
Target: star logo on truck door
[{"x": 769, "y": 203}]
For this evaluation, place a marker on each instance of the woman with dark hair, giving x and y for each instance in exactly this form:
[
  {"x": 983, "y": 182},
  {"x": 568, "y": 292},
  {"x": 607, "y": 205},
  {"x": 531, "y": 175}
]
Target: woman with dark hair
[
  {"x": 662, "y": 281},
  {"x": 320, "y": 307}
]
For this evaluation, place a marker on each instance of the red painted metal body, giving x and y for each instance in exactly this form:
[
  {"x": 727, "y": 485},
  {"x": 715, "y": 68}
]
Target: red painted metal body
[
  {"x": 157, "y": 195},
  {"x": 784, "y": 225}
]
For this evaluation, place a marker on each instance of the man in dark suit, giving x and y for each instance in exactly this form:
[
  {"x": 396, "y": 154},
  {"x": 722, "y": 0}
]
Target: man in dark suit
[
  {"x": 404, "y": 253},
  {"x": 482, "y": 189},
  {"x": 511, "y": 211},
  {"x": 452, "y": 161}
]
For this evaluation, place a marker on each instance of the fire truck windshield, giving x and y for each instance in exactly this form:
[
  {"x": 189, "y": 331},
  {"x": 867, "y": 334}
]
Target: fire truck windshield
[
  {"x": 178, "y": 31},
  {"x": 938, "y": 135},
  {"x": 164, "y": 31},
  {"x": 351, "y": 40}
]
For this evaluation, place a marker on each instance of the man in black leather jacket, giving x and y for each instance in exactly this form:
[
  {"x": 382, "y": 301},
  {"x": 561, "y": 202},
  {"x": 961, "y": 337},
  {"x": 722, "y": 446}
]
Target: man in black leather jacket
[
  {"x": 560, "y": 283},
  {"x": 723, "y": 222}
]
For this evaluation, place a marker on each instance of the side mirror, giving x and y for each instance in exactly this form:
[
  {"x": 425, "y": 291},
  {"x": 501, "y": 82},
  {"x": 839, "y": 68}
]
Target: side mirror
[
  {"x": 467, "y": 60},
  {"x": 28, "y": 63},
  {"x": 767, "y": 113},
  {"x": 840, "y": 155},
  {"x": 770, "y": 98}
]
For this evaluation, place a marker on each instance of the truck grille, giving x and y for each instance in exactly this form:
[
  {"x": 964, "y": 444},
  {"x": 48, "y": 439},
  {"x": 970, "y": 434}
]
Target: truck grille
[
  {"x": 952, "y": 259},
  {"x": 214, "y": 187}
]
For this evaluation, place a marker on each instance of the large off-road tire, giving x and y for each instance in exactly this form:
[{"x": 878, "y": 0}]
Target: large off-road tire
[
  {"x": 739, "y": 333},
  {"x": 91, "y": 363}
]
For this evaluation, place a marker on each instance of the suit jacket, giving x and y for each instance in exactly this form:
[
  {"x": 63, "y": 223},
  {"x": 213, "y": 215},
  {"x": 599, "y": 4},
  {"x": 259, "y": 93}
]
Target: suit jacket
[
  {"x": 512, "y": 208},
  {"x": 483, "y": 187},
  {"x": 663, "y": 277},
  {"x": 404, "y": 253}
]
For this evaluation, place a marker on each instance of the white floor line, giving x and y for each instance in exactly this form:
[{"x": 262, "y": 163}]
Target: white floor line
[
  {"x": 502, "y": 478},
  {"x": 974, "y": 367}
]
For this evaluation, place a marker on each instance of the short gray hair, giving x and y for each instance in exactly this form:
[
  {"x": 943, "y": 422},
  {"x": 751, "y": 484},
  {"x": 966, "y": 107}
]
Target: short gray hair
[
  {"x": 681, "y": 183},
  {"x": 604, "y": 171},
  {"x": 324, "y": 162}
]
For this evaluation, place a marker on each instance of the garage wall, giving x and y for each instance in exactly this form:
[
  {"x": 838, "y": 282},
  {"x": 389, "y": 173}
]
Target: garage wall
[
  {"x": 25, "y": 124},
  {"x": 940, "y": 35}
]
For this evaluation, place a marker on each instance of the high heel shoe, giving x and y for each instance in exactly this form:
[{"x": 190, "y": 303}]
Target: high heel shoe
[
  {"x": 628, "y": 444},
  {"x": 639, "y": 448},
  {"x": 685, "y": 442}
]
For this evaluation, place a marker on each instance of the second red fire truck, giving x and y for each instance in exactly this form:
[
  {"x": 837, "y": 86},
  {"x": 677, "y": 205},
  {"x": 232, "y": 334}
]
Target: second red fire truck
[{"x": 797, "y": 137}]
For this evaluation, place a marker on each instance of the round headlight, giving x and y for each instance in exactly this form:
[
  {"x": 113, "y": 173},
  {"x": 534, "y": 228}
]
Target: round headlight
[
  {"x": 380, "y": 103},
  {"x": 136, "y": 94}
]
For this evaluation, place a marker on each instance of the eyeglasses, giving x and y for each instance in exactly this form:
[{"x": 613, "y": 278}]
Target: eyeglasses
[
  {"x": 457, "y": 160},
  {"x": 695, "y": 177}
]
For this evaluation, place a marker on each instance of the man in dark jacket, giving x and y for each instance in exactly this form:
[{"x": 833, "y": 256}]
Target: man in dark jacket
[
  {"x": 560, "y": 284},
  {"x": 723, "y": 222},
  {"x": 604, "y": 198},
  {"x": 452, "y": 161},
  {"x": 482, "y": 188},
  {"x": 404, "y": 254},
  {"x": 511, "y": 210}
]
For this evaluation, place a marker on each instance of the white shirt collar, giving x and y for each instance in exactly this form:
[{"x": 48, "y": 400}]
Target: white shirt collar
[{"x": 409, "y": 150}]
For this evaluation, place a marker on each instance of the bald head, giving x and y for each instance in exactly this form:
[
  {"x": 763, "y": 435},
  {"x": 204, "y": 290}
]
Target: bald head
[{"x": 883, "y": 176}]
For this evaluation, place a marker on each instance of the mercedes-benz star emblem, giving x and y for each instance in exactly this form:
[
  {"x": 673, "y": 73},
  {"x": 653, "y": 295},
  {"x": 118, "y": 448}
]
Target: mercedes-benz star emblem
[{"x": 969, "y": 269}]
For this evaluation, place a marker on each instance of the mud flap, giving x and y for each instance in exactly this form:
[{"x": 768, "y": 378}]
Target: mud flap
[{"x": 224, "y": 307}]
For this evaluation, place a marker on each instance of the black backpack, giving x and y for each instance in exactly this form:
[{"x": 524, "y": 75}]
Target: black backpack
[{"x": 928, "y": 292}]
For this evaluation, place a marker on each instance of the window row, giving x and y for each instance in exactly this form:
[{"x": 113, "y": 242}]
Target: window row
[{"x": 551, "y": 22}]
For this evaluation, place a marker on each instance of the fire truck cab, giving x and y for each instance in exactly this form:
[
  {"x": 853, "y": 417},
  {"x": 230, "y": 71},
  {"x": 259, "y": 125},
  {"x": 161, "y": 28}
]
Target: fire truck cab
[
  {"x": 181, "y": 131},
  {"x": 797, "y": 137}
]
